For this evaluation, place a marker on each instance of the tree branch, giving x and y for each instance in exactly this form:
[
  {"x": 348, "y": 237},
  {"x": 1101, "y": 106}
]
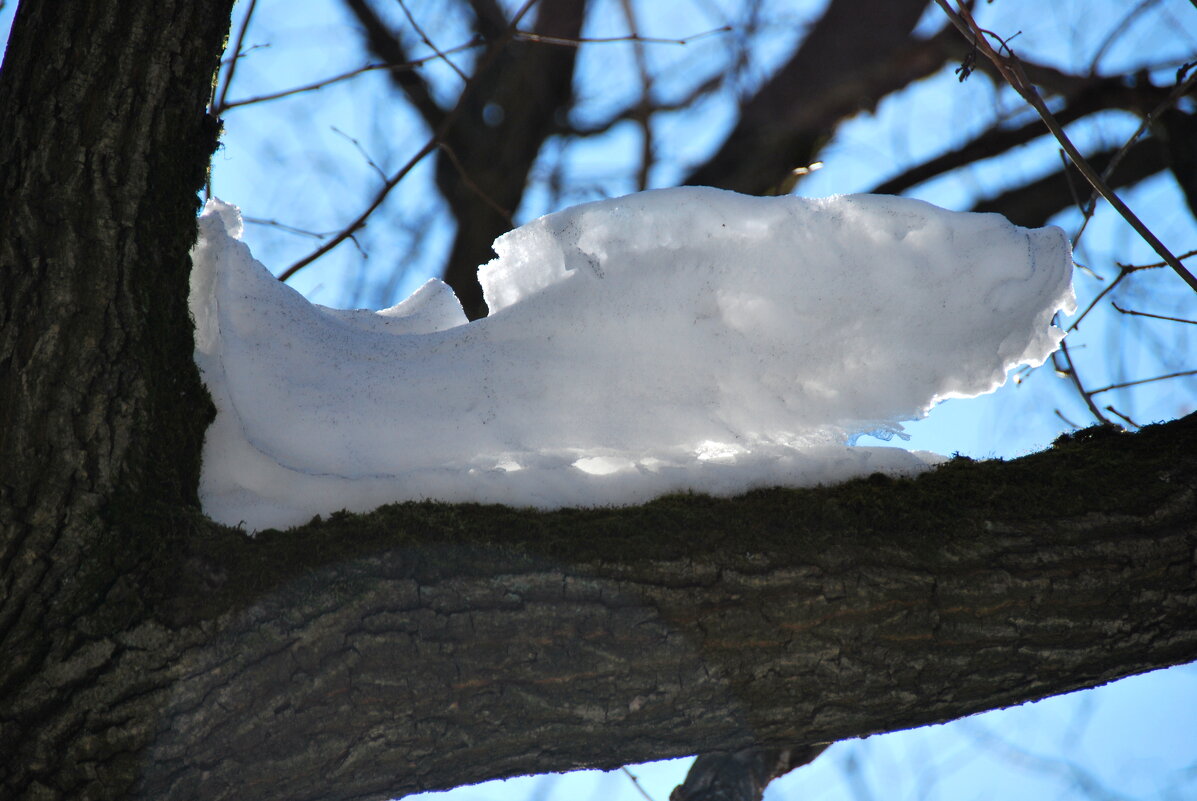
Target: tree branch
[
  {"x": 1033, "y": 204},
  {"x": 388, "y": 47},
  {"x": 856, "y": 53},
  {"x": 427, "y": 645}
]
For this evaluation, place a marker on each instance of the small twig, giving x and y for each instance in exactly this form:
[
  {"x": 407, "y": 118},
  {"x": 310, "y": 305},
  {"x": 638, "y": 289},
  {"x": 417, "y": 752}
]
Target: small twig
[
  {"x": 1114, "y": 411},
  {"x": 636, "y": 784},
  {"x": 360, "y": 221},
  {"x": 473, "y": 187},
  {"x": 1060, "y": 414},
  {"x": 571, "y": 41},
  {"x": 1152, "y": 316},
  {"x": 427, "y": 41},
  {"x": 344, "y": 76},
  {"x": 228, "y": 75},
  {"x": 361, "y": 150},
  {"x": 438, "y": 135},
  {"x": 1178, "y": 91},
  {"x": 1125, "y": 384},
  {"x": 1154, "y": 264},
  {"x": 1070, "y": 373},
  {"x": 284, "y": 227},
  {"x": 1011, "y": 70}
]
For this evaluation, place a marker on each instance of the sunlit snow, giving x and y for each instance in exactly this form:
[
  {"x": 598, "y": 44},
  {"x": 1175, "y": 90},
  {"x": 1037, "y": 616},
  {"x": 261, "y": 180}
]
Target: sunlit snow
[{"x": 679, "y": 339}]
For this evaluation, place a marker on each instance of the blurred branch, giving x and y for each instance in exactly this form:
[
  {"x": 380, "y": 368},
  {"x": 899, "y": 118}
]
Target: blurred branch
[
  {"x": 439, "y": 135},
  {"x": 709, "y": 86},
  {"x": 387, "y": 46},
  {"x": 426, "y": 40},
  {"x": 407, "y": 65},
  {"x": 1033, "y": 203},
  {"x": 856, "y": 53},
  {"x": 1011, "y": 69},
  {"x": 1109, "y": 93},
  {"x": 635, "y": 38},
  {"x": 741, "y": 775}
]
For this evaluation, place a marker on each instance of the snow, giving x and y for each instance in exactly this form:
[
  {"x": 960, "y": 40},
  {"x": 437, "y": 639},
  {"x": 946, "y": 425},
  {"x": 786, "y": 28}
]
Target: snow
[{"x": 677, "y": 339}]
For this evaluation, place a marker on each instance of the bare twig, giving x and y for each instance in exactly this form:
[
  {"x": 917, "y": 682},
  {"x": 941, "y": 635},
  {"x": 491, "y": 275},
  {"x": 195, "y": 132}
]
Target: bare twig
[
  {"x": 432, "y": 144},
  {"x": 1181, "y": 88},
  {"x": 1011, "y": 70},
  {"x": 1069, "y": 372},
  {"x": 1152, "y": 316},
  {"x": 570, "y": 41},
  {"x": 361, "y": 150},
  {"x": 1125, "y": 384},
  {"x": 424, "y": 38},
  {"x": 1129, "y": 421},
  {"x": 636, "y": 783},
  {"x": 360, "y": 221},
  {"x": 288, "y": 228},
  {"x": 344, "y": 76},
  {"x": 219, "y": 105},
  {"x": 473, "y": 187}
]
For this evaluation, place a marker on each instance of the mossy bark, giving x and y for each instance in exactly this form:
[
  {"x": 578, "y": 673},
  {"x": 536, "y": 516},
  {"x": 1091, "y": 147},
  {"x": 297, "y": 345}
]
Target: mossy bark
[
  {"x": 104, "y": 144},
  {"x": 149, "y": 653}
]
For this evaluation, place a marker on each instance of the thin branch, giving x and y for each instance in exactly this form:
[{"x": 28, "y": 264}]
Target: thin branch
[
  {"x": 709, "y": 86},
  {"x": 578, "y": 41},
  {"x": 1129, "y": 421},
  {"x": 1152, "y": 316},
  {"x": 388, "y": 46},
  {"x": 645, "y": 103},
  {"x": 426, "y": 40},
  {"x": 1154, "y": 264},
  {"x": 406, "y": 65},
  {"x": 360, "y": 221},
  {"x": 1117, "y": 31},
  {"x": 228, "y": 75},
  {"x": 288, "y": 228},
  {"x": 362, "y": 151},
  {"x": 433, "y": 142},
  {"x": 1125, "y": 384},
  {"x": 1011, "y": 69},
  {"x": 1069, "y": 372},
  {"x": 1178, "y": 91},
  {"x": 636, "y": 783},
  {"x": 473, "y": 187}
]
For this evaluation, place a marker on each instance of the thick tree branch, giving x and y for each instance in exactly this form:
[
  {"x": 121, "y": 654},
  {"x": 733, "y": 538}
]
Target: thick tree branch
[
  {"x": 1034, "y": 203},
  {"x": 425, "y": 645},
  {"x": 851, "y": 58},
  {"x": 1098, "y": 96}
]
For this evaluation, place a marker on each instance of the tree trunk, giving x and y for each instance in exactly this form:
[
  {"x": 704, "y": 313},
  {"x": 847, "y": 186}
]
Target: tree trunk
[
  {"x": 104, "y": 144},
  {"x": 148, "y": 653}
]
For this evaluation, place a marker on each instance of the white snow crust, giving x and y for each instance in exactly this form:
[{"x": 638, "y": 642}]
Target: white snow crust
[{"x": 677, "y": 339}]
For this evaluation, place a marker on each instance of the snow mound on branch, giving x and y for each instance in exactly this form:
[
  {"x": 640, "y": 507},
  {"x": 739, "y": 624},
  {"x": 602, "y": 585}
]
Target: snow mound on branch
[{"x": 678, "y": 339}]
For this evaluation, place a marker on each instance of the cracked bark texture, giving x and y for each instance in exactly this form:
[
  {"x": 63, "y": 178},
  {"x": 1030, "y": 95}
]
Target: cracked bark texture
[{"x": 148, "y": 653}]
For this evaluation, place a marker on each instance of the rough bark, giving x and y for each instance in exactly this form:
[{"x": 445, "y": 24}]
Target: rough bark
[
  {"x": 104, "y": 143},
  {"x": 426, "y": 646}
]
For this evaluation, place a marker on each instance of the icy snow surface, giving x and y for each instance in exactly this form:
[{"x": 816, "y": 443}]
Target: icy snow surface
[{"x": 679, "y": 339}]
